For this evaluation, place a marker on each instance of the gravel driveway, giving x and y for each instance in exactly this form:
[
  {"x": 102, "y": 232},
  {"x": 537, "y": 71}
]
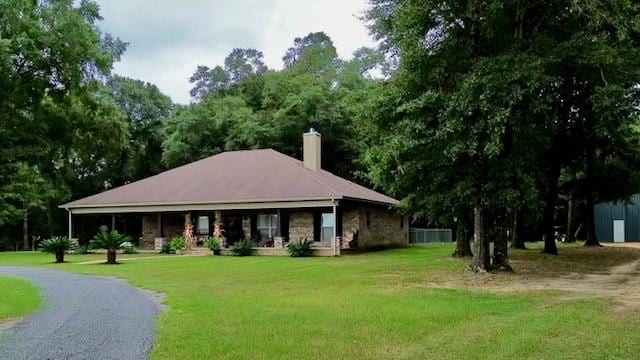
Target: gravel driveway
[{"x": 83, "y": 317}]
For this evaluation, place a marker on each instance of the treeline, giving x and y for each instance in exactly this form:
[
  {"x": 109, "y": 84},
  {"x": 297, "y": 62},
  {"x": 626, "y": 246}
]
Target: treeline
[
  {"x": 70, "y": 128},
  {"x": 507, "y": 121}
]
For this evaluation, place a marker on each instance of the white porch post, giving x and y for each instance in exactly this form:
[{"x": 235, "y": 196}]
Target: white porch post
[
  {"x": 70, "y": 223},
  {"x": 334, "y": 240}
]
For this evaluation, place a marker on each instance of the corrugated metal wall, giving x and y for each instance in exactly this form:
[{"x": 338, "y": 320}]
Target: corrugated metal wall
[{"x": 605, "y": 213}]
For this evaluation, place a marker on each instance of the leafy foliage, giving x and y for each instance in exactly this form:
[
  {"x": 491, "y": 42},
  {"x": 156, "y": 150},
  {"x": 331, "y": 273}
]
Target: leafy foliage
[
  {"x": 243, "y": 247},
  {"x": 110, "y": 241},
  {"x": 58, "y": 245},
  {"x": 213, "y": 244},
  {"x": 177, "y": 243},
  {"x": 303, "y": 248}
]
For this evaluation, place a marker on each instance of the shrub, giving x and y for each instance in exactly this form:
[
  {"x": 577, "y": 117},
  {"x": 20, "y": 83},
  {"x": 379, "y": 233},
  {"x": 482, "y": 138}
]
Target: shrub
[
  {"x": 83, "y": 249},
  {"x": 58, "y": 245},
  {"x": 178, "y": 243},
  {"x": 166, "y": 248},
  {"x": 243, "y": 247},
  {"x": 303, "y": 248},
  {"x": 213, "y": 243},
  {"x": 128, "y": 248},
  {"x": 111, "y": 241}
]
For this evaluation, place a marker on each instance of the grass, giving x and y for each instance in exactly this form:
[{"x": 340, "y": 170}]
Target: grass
[
  {"x": 379, "y": 305},
  {"x": 18, "y": 298}
]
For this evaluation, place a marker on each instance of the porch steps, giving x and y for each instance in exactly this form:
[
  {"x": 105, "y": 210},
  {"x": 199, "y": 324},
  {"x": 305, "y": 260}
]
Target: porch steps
[{"x": 197, "y": 252}]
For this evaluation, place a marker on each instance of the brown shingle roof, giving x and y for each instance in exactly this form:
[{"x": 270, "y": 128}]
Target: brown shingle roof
[{"x": 234, "y": 176}]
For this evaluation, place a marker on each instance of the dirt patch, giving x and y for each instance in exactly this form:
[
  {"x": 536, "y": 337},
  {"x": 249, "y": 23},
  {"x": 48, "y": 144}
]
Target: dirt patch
[
  {"x": 594, "y": 276},
  {"x": 6, "y": 324}
]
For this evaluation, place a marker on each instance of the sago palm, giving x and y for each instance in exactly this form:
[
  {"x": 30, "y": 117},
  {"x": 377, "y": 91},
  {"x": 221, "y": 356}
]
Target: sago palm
[
  {"x": 58, "y": 245},
  {"x": 110, "y": 241}
]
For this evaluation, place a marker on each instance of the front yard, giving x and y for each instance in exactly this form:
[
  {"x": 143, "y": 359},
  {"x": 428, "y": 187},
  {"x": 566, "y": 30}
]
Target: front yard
[{"x": 409, "y": 303}]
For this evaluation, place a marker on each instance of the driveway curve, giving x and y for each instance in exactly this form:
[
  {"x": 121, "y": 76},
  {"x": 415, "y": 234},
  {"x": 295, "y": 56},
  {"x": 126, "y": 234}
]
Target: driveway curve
[{"x": 83, "y": 317}]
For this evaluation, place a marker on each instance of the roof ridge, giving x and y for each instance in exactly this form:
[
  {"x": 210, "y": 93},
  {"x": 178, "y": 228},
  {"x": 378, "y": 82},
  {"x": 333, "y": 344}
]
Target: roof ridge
[{"x": 306, "y": 173}]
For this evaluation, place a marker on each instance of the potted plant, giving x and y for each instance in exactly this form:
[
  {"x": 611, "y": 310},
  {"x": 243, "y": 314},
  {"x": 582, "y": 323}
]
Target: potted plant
[{"x": 213, "y": 243}]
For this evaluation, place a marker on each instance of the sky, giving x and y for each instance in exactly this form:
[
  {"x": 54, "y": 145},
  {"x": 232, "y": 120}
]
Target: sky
[{"x": 168, "y": 39}]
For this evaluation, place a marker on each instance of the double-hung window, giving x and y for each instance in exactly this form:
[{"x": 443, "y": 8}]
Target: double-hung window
[
  {"x": 267, "y": 226},
  {"x": 326, "y": 233},
  {"x": 203, "y": 225}
]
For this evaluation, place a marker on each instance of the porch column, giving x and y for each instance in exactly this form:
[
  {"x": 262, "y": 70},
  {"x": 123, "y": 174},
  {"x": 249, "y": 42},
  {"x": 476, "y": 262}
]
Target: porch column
[
  {"x": 335, "y": 241},
  {"x": 217, "y": 227},
  {"x": 159, "y": 226},
  {"x": 278, "y": 241},
  {"x": 70, "y": 223},
  {"x": 188, "y": 230}
]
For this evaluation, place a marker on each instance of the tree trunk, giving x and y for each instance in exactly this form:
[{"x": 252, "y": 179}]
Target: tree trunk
[
  {"x": 500, "y": 251},
  {"x": 588, "y": 215},
  {"x": 111, "y": 256},
  {"x": 517, "y": 235},
  {"x": 25, "y": 231},
  {"x": 481, "y": 261},
  {"x": 570, "y": 238},
  {"x": 550, "y": 205},
  {"x": 60, "y": 256},
  {"x": 463, "y": 244}
]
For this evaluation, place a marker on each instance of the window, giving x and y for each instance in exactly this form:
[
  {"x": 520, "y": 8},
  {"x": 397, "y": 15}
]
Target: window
[
  {"x": 203, "y": 225},
  {"x": 326, "y": 233},
  {"x": 267, "y": 226}
]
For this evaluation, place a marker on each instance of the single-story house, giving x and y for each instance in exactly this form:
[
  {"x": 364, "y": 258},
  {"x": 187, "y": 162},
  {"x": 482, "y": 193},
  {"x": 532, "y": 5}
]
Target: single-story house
[
  {"x": 262, "y": 195},
  {"x": 618, "y": 221}
]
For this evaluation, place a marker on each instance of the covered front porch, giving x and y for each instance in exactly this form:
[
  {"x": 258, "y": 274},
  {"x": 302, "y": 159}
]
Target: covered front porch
[{"x": 270, "y": 229}]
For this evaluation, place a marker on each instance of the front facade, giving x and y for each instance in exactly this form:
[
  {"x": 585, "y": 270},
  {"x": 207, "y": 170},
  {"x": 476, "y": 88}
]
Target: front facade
[
  {"x": 618, "y": 221},
  {"x": 261, "y": 195}
]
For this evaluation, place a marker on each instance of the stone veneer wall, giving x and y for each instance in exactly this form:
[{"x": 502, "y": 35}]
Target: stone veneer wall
[
  {"x": 384, "y": 229},
  {"x": 300, "y": 225},
  {"x": 172, "y": 225}
]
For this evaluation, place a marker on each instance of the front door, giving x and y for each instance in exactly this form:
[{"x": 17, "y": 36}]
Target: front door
[
  {"x": 232, "y": 228},
  {"x": 618, "y": 231}
]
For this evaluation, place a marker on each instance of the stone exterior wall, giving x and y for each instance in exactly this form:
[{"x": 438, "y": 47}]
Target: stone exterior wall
[
  {"x": 300, "y": 225},
  {"x": 172, "y": 226},
  {"x": 383, "y": 230}
]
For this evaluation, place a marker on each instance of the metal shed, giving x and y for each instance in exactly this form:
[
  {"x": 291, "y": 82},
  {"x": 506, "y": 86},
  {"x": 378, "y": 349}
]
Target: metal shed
[{"x": 618, "y": 221}]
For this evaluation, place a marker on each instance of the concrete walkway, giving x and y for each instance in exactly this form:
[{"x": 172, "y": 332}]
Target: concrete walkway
[{"x": 83, "y": 317}]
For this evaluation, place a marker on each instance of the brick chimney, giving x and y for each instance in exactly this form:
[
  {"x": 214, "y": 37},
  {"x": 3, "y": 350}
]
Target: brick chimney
[{"x": 312, "y": 156}]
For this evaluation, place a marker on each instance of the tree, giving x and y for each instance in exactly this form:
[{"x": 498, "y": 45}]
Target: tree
[
  {"x": 146, "y": 110},
  {"x": 52, "y": 59},
  {"x": 110, "y": 241},
  {"x": 58, "y": 245}
]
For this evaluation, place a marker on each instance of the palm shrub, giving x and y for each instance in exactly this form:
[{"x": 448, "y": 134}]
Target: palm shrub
[
  {"x": 243, "y": 247},
  {"x": 303, "y": 248},
  {"x": 58, "y": 245},
  {"x": 110, "y": 241}
]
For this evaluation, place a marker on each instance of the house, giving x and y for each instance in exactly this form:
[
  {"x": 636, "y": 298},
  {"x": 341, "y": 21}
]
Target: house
[
  {"x": 618, "y": 221},
  {"x": 263, "y": 195}
]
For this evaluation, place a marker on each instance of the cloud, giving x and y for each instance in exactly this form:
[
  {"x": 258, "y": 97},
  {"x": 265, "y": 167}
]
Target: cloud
[{"x": 168, "y": 39}]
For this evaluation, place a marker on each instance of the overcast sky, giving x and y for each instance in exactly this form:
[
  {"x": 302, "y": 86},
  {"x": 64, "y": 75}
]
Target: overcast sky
[{"x": 169, "y": 38}]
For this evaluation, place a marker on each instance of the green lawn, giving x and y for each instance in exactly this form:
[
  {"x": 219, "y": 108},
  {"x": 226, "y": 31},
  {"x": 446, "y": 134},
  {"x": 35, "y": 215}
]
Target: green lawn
[
  {"x": 369, "y": 306},
  {"x": 17, "y": 298}
]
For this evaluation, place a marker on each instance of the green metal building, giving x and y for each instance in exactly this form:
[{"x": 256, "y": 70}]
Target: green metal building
[{"x": 618, "y": 221}]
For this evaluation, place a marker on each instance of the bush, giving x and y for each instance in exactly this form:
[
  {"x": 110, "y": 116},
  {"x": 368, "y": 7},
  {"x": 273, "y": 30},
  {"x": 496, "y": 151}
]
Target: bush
[
  {"x": 83, "y": 249},
  {"x": 58, "y": 245},
  {"x": 128, "y": 248},
  {"x": 178, "y": 243},
  {"x": 166, "y": 248},
  {"x": 303, "y": 248},
  {"x": 110, "y": 241},
  {"x": 213, "y": 243},
  {"x": 242, "y": 248}
]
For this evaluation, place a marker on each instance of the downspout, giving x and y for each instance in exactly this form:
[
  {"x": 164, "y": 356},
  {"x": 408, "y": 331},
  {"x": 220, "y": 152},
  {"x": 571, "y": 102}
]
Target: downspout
[{"x": 335, "y": 251}]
